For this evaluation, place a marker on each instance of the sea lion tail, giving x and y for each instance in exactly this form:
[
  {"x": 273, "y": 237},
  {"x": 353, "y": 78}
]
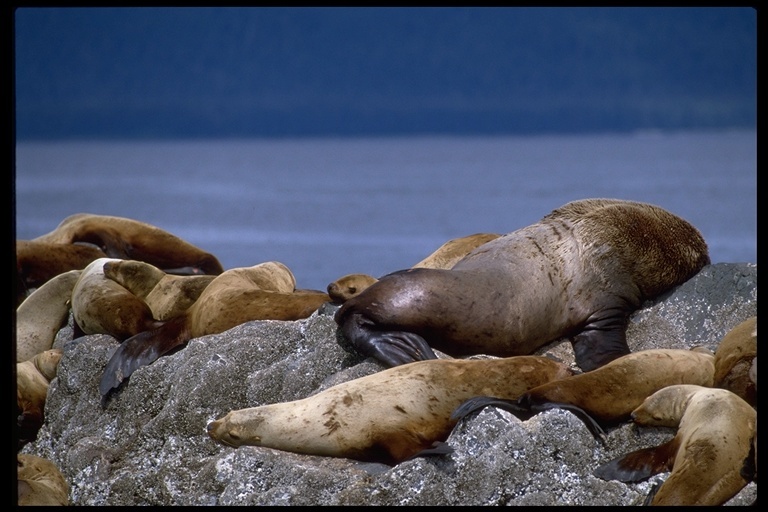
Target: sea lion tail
[
  {"x": 140, "y": 350},
  {"x": 638, "y": 465}
]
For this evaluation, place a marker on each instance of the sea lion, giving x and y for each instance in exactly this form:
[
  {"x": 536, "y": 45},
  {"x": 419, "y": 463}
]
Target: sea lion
[
  {"x": 42, "y": 314},
  {"x": 448, "y": 254},
  {"x": 128, "y": 239},
  {"x": 578, "y": 273},
  {"x": 350, "y": 285},
  {"x": 101, "y": 306},
  {"x": 609, "y": 394},
  {"x": 387, "y": 417},
  {"x": 262, "y": 292},
  {"x": 32, "y": 380},
  {"x": 715, "y": 428},
  {"x": 733, "y": 360},
  {"x": 167, "y": 295},
  {"x": 37, "y": 262},
  {"x": 40, "y": 483}
]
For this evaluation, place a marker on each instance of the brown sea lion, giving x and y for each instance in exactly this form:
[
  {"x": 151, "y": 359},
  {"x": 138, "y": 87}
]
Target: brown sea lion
[
  {"x": 446, "y": 256},
  {"x": 610, "y": 393},
  {"x": 43, "y": 314},
  {"x": 578, "y": 273},
  {"x": 101, "y": 306},
  {"x": 37, "y": 262},
  {"x": 40, "y": 483},
  {"x": 715, "y": 428},
  {"x": 733, "y": 360},
  {"x": 32, "y": 380},
  {"x": 128, "y": 239},
  {"x": 262, "y": 292},
  {"x": 388, "y": 416},
  {"x": 167, "y": 295}
]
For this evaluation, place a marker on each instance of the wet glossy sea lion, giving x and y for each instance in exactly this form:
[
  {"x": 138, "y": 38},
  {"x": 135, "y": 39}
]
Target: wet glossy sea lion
[
  {"x": 715, "y": 428},
  {"x": 733, "y": 360},
  {"x": 37, "y": 262},
  {"x": 388, "y": 416},
  {"x": 262, "y": 292},
  {"x": 43, "y": 314},
  {"x": 128, "y": 239},
  {"x": 446, "y": 256},
  {"x": 40, "y": 483},
  {"x": 578, "y": 273},
  {"x": 101, "y": 306},
  {"x": 167, "y": 295},
  {"x": 610, "y": 393},
  {"x": 32, "y": 380}
]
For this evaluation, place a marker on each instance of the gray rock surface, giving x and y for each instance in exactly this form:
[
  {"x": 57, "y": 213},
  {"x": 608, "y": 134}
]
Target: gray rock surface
[{"x": 148, "y": 445}]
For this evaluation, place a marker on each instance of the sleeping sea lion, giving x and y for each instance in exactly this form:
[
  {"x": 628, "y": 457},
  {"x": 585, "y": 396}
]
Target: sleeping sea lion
[
  {"x": 40, "y": 483},
  {"x": 389, "y": 416},
  {"x": 715, "y": 428},
  {"x": 101, "y": 306},
  {"x": 128, "y": 239},
  {"x": 32, "y": 380},
  {"x": 167, "y": 295},
  {"x": 578, "y": 273},
  {"x": 262, "y": 292},
  {"x": 446, "y": 256},
  {"x": 37, "y": 262},
  {"x": 609, "y": 394},
  {"x": 42, "y": 314},
  {"x": 733, "y": 360}
]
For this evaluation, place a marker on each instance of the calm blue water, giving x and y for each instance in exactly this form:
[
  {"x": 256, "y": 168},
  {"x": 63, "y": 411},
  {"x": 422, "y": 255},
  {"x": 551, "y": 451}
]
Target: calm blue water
[{"x": 329, "y": 207}]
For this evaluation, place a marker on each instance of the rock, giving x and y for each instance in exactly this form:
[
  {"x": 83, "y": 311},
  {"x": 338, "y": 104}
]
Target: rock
[{"x": 148, "y": 445}]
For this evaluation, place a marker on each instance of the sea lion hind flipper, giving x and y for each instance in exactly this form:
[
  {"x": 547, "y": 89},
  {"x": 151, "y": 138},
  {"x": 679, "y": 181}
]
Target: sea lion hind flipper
[
  {"x": 638, "y": 465},
  {"x": 140, "y": 350},
  {"x": 601, "y": 341},
  {"x": 478, "y": 402}
]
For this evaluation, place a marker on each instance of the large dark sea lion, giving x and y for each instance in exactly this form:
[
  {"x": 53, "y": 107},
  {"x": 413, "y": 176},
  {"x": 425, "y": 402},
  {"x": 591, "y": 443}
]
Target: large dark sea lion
[
  {"x": 388, "y": 416},
  {"x": 578, "y": 273},
  {"x": 262, "y": 292},
  {"x": 715, "y": 428},
  {"x": 128, "y": 239}
]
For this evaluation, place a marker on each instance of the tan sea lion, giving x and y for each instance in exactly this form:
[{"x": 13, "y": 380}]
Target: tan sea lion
[
  {"x": 167, "y": 295},
  {"x": 733, "y": 360},
  {"x": 128, "y": 239},
  {"x": 43, "y": 314},
  {"x": 715, "y": 428},
  {"x": 388, "y": 416},
  {"x": 32, "y": 380},
  {"x": 610, "y": 393},
  {"x": 578, "y": 273},
  {"x": 101, "y": 306},
  {"x": 262, "y": 292},
  {"x": 350, "y": 285},
  {"x": 40, "y": 483}
]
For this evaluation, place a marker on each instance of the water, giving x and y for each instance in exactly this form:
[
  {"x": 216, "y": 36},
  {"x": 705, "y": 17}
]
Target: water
[{"x": 329, "y": 207}]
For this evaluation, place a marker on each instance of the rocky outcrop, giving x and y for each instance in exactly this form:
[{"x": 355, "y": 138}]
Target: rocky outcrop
[{"x": 147, "y": 445}]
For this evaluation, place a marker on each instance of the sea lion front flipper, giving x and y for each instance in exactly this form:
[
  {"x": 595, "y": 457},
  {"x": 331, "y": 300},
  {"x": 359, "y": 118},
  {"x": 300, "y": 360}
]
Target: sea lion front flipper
[
  {"x": 592, "y": 425},
  {"x": 478, "y": 402},
  {"x": 640, "y": 464},
  {"x": 437, "y": 448},
  {"x": 602, "y": 340},
  {"x": 141, "y": 350}
]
